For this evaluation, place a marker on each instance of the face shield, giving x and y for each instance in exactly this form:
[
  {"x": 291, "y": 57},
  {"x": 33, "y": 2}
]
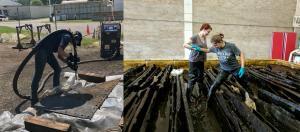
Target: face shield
[{"x": 77, "y": 38}]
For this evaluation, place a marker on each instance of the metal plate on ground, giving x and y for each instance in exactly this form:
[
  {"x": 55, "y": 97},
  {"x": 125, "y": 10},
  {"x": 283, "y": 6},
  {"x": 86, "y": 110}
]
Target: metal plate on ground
[{"x": 81, "y": 102}]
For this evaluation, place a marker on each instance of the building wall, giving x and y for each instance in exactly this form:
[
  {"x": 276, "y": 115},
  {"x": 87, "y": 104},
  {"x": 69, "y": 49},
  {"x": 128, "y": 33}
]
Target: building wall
[
  {"x": 297, "y": 28},
  {"x": 89, "y": 10},
  {"x": 78, "y": 10},
  {"x": 28, "y": 12},
  {"x": 297, "y": 13},
  {"x": 119, "y": 5},
  {"x": 2, "y": 10},
  {"x": 153, "y": 29},
  {"x": 40, "y": 11}
]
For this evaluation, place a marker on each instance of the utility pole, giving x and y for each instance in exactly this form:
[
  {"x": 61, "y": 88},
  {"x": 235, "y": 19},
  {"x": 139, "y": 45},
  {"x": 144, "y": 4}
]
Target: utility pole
[
  {"x": 50, "y": 9},
  {"x": 18, "y": 16},
  {"x": 112, "y": 9},
  {"x": 111, "y": 4}
]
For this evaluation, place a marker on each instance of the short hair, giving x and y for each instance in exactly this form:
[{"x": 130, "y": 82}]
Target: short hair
[
  {"x": 217, "y": 38},
  {"x": 205, "y": 26}
]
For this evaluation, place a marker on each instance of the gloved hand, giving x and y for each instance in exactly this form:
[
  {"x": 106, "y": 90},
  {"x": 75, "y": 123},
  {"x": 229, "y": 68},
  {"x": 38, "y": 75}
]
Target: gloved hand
[
  {"x": 72, "y": 65},
  {"x": 77, "y": 59},
  {"x": 197, "y": 48},
  {"x": 72, "y": 62},
  {"x": 73, "y": 58},
  {"x": 241, "y": 72}
]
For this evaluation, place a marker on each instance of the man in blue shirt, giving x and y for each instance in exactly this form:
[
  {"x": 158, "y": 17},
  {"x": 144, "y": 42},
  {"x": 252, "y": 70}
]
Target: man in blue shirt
[{"x": 54, "y": 42}]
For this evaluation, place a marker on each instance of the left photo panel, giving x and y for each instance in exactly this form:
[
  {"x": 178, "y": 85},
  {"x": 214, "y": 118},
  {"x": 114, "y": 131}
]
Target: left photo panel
[{"x": 62, "y": 65}]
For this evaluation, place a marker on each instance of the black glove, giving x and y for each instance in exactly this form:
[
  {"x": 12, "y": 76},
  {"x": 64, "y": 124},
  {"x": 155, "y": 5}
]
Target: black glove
[
  {"x": 73, "y": 58},
  {"x": 72, "y": 65},
  {"x": 72, "y": 62}
]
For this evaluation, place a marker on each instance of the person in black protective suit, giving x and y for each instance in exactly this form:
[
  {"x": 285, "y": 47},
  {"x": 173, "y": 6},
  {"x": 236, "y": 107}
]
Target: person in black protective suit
[
  {"x": 226, "y": 53},
  {"x": 55, "y": 42}
]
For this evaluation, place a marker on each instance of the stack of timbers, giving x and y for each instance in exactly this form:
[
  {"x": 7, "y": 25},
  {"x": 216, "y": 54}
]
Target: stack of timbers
[
  {"x": 276, "y": 92},
  {"x": 154, "y": 100},
  {"x": 269, "y": 102}
]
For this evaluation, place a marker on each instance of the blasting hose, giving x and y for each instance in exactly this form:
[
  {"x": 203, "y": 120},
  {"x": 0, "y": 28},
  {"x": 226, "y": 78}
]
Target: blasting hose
[{"x": 18, "y": 72}]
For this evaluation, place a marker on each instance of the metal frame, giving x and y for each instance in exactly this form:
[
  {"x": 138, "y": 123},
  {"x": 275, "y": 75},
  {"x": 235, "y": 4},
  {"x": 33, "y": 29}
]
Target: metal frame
[
  {"x": 32, "y": 41},
  {"x": 40, "y": 28}
]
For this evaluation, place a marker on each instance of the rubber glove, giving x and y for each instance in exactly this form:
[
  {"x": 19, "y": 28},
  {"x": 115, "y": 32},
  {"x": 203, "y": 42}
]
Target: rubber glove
[
  {"x": 241, "y": 72},
  {"x": 197, "y": 48}
]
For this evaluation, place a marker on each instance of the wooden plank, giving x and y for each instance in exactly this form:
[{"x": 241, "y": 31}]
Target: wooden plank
[
  {"x": 278, "y": 117},
  {"x": 91, "y": 77},
  {"x": 277, "y": 100},
  {"x": 186, "y": 107},
  {"x": 252, "y": 121},
  {"x": 36, "y": 124}
]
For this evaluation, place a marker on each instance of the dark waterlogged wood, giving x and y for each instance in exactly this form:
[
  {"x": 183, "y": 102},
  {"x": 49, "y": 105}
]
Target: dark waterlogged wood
[
  {"x": 253, "y": 122},
  {"x": 278, "y": 117},
  {"x": 286, "y": 104}
]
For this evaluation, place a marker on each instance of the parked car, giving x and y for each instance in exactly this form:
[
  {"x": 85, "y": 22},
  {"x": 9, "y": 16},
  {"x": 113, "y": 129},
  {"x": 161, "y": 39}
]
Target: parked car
[{"x": 3, "y": 18}]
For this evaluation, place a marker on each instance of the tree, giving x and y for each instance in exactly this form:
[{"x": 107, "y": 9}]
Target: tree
[
  {"x": 46, "y": 2},
  {"x": 24, "y": 2},
  {"x": 57, "y": 1},
  {"x": 36, "y": 2}
]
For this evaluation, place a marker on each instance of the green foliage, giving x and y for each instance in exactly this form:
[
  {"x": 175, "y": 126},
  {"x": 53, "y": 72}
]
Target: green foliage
[
  {"x": 88, "y": 41},
  {"x": 24, "y": 2},
  {"x": 36, "y": 3},
  {"x": 46, "y": 2},
  {"x": 58, "y": 1}
]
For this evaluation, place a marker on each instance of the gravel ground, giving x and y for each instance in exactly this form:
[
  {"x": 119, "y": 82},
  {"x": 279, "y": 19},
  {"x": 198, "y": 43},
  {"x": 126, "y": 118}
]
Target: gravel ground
[{"x": 11, "y": 58}]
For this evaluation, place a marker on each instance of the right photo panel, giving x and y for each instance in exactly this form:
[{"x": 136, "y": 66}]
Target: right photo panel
[{"x": 211, "y": 66}]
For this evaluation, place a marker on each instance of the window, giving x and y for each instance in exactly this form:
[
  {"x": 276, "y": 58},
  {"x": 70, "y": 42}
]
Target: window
[{"x": 5, "y": 12}]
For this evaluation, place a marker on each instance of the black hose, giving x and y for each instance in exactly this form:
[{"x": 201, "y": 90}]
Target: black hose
[{"x": 18, "y": 72}]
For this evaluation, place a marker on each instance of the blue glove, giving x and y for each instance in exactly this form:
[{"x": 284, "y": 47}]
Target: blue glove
[
  {"x": 241, "y": 72},
  {"x": 197, "y": 48}
]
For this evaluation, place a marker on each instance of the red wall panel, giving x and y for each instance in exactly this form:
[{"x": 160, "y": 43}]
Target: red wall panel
[
  {"x": 277, "y": 45},
  {"x": 290, "y": 44}
]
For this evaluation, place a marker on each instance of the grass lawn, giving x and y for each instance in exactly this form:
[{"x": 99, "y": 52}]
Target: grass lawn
[
  {"x": 5, "y": 29},
  {"x": 88, "y": 41}
]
